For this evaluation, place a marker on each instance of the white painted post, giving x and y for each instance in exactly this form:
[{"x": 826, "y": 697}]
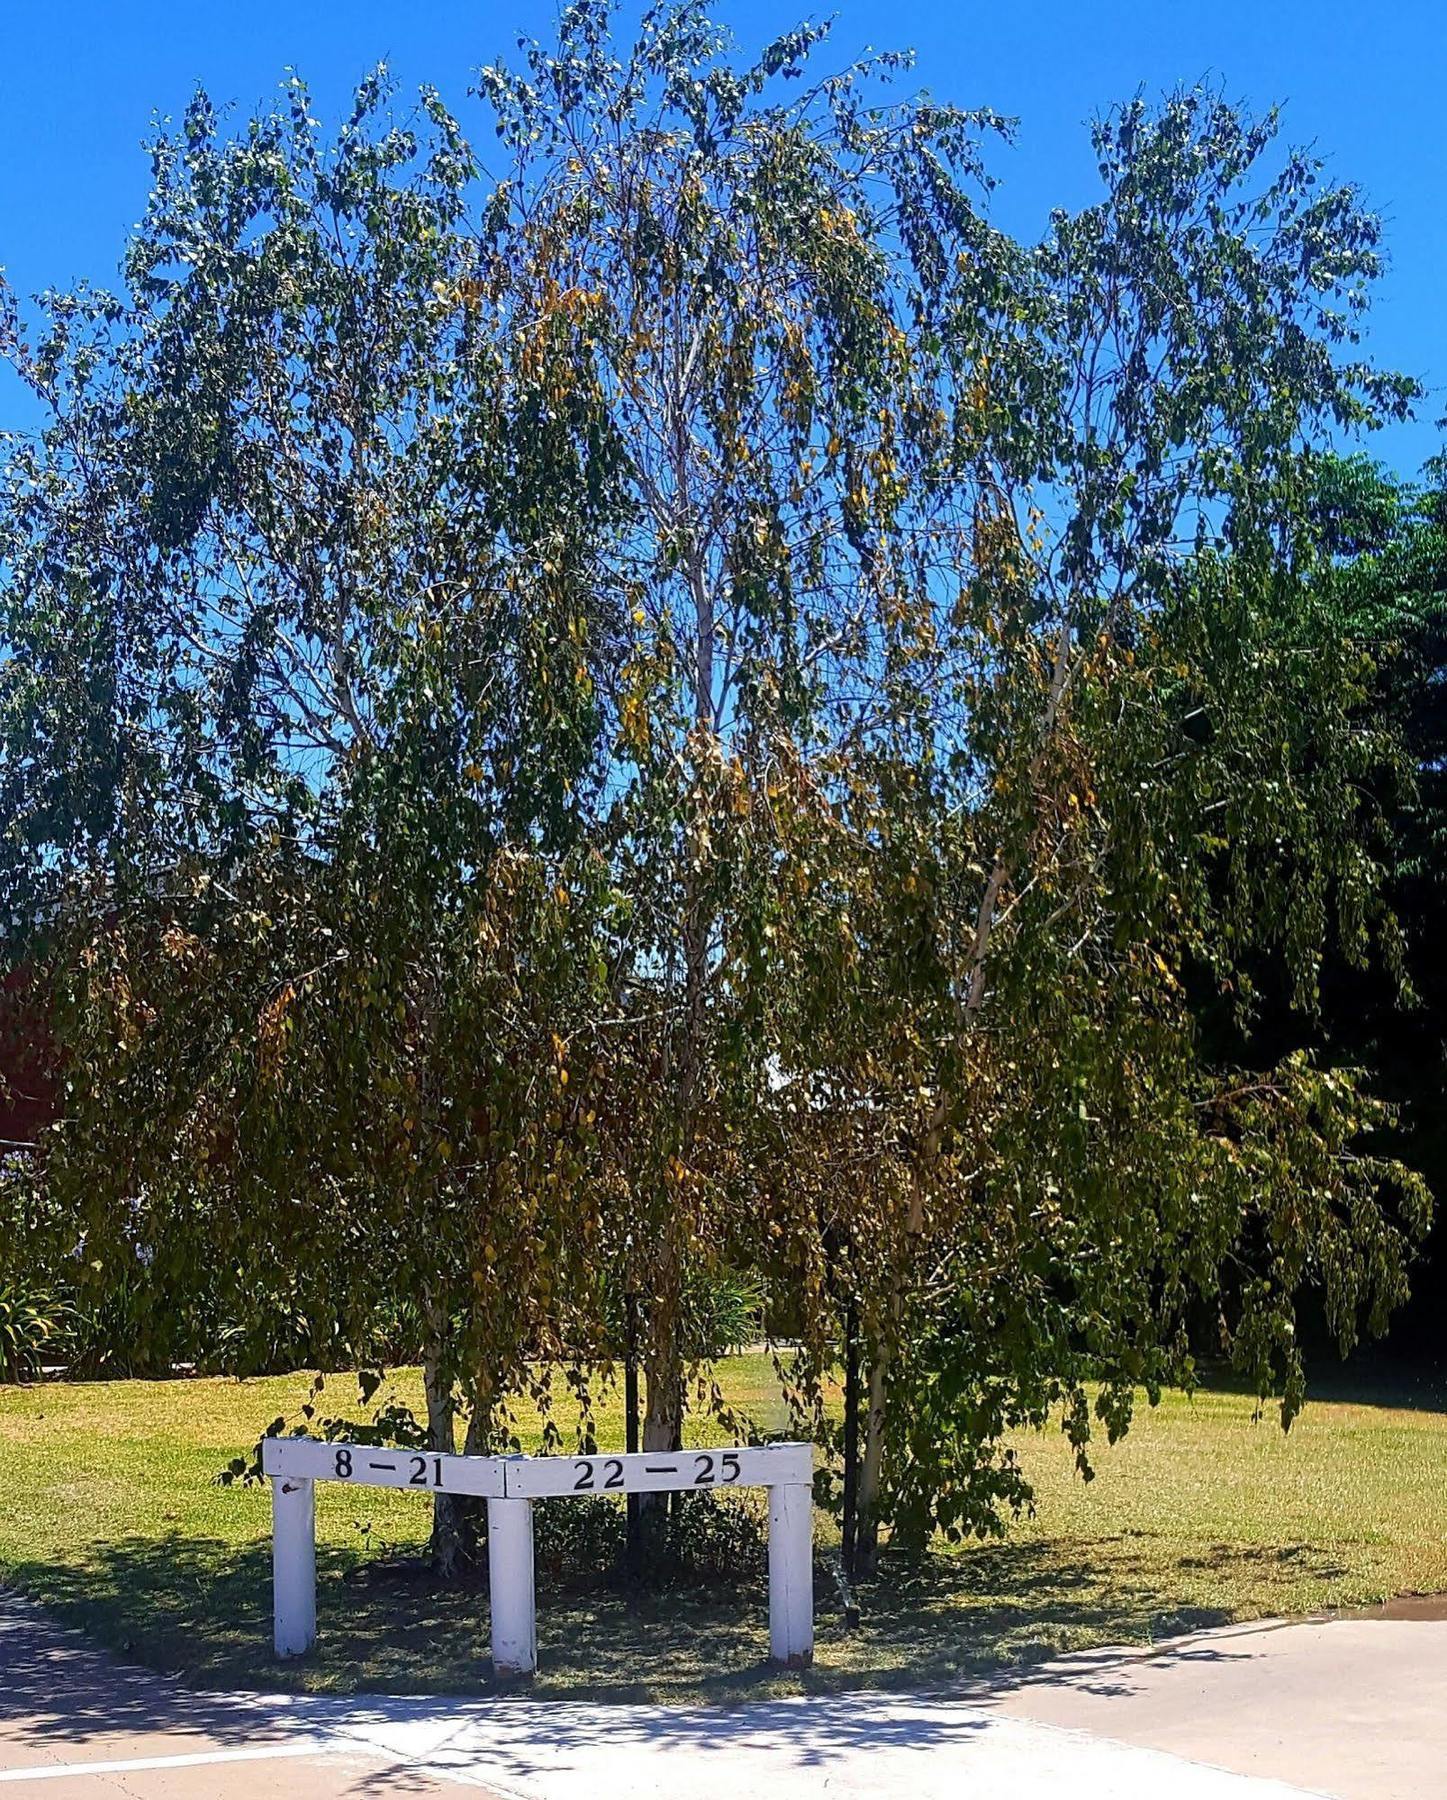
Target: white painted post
[
  {"x": 510, "y": 1581},
  {"x": 791, "y": 1575},
  {"x": 293, "y": 1564}
]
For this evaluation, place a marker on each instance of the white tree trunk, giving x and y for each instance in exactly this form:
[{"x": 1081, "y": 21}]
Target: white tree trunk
[
  {"x": 871, "y": 1470},
  {"x": 447, "y": 1549}
]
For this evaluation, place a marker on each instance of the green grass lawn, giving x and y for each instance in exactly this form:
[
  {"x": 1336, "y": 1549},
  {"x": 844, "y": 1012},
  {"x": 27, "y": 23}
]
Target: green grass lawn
[{"x": 110, "y": 1517}]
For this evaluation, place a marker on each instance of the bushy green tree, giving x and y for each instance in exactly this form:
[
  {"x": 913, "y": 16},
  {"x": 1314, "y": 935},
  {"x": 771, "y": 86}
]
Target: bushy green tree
[
  {"x": 305, "y": 712},
  {"x": 695, "y": 707},
  {"x": 1133, "y": 756}
]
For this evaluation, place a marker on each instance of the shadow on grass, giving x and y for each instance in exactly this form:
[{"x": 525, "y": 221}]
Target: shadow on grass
[
  {"x": 201, "y": 1609},
  {"x": 1370, "y": 1377}
]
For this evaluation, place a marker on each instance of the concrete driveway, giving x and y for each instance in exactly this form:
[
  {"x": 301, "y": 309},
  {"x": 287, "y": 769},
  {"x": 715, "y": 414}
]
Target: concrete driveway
[
  {"x": 1355, "y": 1709},
  {"x": 1351, "y": 1707}
]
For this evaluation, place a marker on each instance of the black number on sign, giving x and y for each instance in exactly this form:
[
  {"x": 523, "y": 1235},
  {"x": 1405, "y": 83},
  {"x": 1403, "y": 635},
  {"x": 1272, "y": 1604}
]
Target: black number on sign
[
  {"x": 437, "y": 1470},
  {"x": 344, "y": 1464},
  {"x": 612, "y": 1473},
  {"x": 419, "y": 1472},
  {"x": 730, "y": 1467},
  {"x": 585, "y": 1480},
  {"x": 704, "y": 1477}
]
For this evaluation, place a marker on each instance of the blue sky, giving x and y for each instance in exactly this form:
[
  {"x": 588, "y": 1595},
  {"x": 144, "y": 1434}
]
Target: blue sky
[{"x": 79, "y": 82}]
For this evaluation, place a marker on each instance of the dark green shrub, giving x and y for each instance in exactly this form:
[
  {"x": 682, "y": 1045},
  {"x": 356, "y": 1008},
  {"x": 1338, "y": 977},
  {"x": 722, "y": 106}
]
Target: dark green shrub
[{"x": 700, "y": 1541}]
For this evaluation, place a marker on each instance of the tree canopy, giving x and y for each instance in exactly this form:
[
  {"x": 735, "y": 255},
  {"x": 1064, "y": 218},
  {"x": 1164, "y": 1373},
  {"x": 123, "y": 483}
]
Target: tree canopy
[{"x": 683, "y": 707}]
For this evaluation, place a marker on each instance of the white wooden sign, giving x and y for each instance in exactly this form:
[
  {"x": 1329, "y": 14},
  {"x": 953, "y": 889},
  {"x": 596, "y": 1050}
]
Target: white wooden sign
[
  {"x": 657, "y": 1471},
  {"x": 367, "y": 1466},
  {"x": 510, "y": 1484}
]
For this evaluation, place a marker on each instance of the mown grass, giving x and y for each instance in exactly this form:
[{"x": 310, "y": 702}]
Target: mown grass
[{"x": 110, "y": 1516}]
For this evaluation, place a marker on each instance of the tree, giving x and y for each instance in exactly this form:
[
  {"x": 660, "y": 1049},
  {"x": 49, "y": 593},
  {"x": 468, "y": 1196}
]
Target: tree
[
  {"x": 299, "y": 563},
  {"x": 763, "y": 275},
  {"x": 1145, "y": 756},
  {"x": 695, "y": 707},
  {"x": 1384, "y": 582}
]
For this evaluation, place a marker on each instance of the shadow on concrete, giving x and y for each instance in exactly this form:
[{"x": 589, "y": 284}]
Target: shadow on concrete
[{"x": 64, "y": 1700}]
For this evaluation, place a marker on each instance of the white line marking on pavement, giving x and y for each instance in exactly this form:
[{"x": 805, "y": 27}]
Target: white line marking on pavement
[{"x": 195, "y": 1760}]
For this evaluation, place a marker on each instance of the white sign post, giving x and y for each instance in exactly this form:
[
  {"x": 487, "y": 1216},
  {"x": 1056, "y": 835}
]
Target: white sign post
[
  {"x": 511, "y": 1592},
  {"x": 510, "y": 1485},
  {"x": 294, "y": 1564}
]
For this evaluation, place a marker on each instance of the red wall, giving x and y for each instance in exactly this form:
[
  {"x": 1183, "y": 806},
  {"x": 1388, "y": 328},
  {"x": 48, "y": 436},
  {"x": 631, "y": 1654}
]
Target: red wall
[{"x": 27, "y": 1083}]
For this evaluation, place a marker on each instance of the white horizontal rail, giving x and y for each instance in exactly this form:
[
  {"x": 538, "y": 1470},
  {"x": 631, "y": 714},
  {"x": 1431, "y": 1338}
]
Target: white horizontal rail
[
  {"x": 657, "y": 1471},
  {"x": 365, "y": 1465}
]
